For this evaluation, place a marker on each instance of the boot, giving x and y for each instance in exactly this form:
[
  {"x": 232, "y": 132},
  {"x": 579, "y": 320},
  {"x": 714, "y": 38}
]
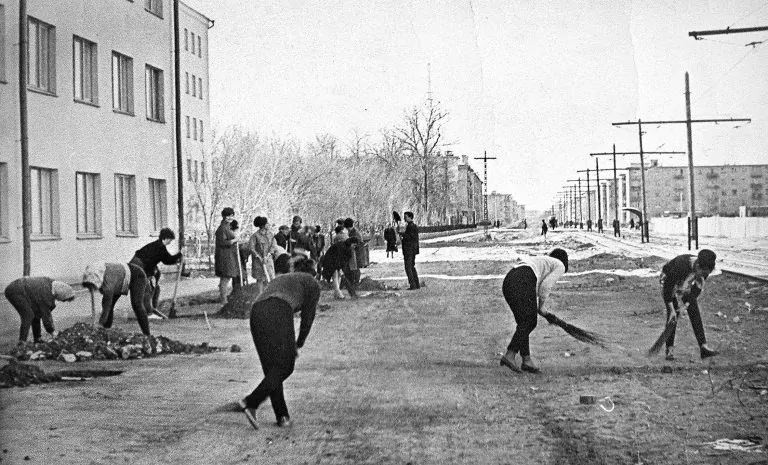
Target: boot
[
  {"x": 528, "y": 365},
  {"x": 670, "y": 353},
  {"x": 706, "y": 352}
]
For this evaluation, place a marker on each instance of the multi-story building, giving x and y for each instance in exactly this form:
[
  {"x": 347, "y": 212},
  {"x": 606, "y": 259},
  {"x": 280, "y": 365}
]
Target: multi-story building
[
  {"x": 504, "y": 207},
  {"x": 719, "y": 190},
  {"x": 101, "y": 132},
  {"x": 469, "y": 194},
  {"x": 195, "y": 109}
]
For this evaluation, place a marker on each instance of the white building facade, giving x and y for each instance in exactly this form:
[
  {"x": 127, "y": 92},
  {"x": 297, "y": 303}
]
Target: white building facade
[{"x": 101, "y": 132}]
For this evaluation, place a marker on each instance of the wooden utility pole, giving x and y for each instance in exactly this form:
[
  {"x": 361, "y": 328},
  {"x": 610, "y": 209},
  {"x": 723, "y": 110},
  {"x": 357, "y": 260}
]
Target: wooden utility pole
[
  {"x": 579, "y": 196},
  {"x": 177, "y": 121},
  {"x": 697, "y": 34},
  {"x": 485, "y": 159},
  {"x": 694, "y": 229},
  {"x": 26, "y": 184},
  {"x": 589, "y": 196}
]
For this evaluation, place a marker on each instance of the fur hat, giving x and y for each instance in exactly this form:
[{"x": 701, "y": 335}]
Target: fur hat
[{"x": 62, "y": 291}]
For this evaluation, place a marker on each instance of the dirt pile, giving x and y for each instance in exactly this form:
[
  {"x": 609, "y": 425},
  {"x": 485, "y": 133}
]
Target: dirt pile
[
  {"x": 368, "y": 284},
  {"x": 83, "y": 342},
  {"x": 24, "y": 374},
  {"x": 210, "y": 297},
  {"x": 240, "y": 303}
]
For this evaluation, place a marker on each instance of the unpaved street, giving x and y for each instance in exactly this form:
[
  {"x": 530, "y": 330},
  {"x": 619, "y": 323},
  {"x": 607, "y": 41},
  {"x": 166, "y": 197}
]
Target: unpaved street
[{"x": 413, "y": 377}]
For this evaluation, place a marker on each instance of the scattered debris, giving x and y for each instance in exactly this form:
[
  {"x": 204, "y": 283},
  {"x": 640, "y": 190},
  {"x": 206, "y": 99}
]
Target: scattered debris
[
  {"x": 741, "y": 445},
  {"x": 235, "y": 348},
  {"x": 24, "y": 374},
  {"x": 83, "y": 342},
  {"x": 587, "y": 399}
]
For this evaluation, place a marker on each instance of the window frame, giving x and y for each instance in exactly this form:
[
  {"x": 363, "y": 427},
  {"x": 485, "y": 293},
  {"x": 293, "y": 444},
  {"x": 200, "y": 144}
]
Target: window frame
[
  {"x": 93, "y": 73},
  {"x": 200, "y": 87},
  {"x": 52, "y": 216},
  {"x": 199, "y": 46},
  {"x": 155, "y": 7},
  {"x": 154, "y": 93},
  {"x": 158, "y": 197},
  {"x": 36, "y": 63},
  {"x": 95, "y": 230},
  {"x": 4, "y": 192},
  {"x": 125, "y": 183},
  {"x": 124, "y": 68},
  {"x": 3, "y": 52}
]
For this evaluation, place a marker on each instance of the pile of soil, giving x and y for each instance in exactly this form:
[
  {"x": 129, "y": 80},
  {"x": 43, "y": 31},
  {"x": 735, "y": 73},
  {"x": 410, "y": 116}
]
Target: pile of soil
[
  {"x": 83, "y": 342},
  {"x": 24, "y": 374},
  {"x": 210, "y": 297},
  {"x": 609, "y": 261},
  {"x": 368, "y": 284},
  {"x": 240, "y": 303}
]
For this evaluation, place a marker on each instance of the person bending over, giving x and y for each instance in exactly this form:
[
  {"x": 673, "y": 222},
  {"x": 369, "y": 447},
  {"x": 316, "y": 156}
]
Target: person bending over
[
  {"x": 114, "y": 280},
  {"x": 35, "y": 298},
  {"x": 148, "y": 257}
]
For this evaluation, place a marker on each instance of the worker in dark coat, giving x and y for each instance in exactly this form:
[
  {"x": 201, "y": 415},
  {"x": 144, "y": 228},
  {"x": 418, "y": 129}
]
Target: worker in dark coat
[
  {"x": 275, "y": 338},
  {"x": 35, "y": 298},
  {"x": 683, "y": 278},
  {"x": 410, "y": 244},
  {"x": 226, "y": 263},
  {"x": 114, "y": 280},
  {"x": 390, "y": 237},
  {"x": 337, "y": 259},
  {"x": 148, "y": 257}
]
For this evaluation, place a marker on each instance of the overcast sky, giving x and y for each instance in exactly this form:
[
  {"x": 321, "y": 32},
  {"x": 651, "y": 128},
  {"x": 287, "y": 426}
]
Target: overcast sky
[{"x": 535, "y": 84}]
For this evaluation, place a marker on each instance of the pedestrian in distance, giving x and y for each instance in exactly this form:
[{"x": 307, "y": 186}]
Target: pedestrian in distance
[
  {"x": 34, "y": 298},
  {"x": 526, "y": 289},
  {"x": 226, "y": 262},
  {"x": 274, "y": 336},
  {"x": 114, "y": 280},
  {"x": 631, "y": 223},
  {"x": 410, "y": 245},
  {"x": 616, "y": 228},
  {"x": 682, "y": 280},
  {"x": 589, "y": 224},
  {"x": 544, "y": 229},
  {"x": 600, "y": 225},
  {"x": 148, "y": 257},
  {"x": 390, "y": 237}
]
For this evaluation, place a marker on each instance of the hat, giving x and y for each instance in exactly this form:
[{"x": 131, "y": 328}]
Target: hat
[
  {"x": 62, "y": 291},
  {"x": 561, "y": 255},
  {"x": 706, "y": 259}
]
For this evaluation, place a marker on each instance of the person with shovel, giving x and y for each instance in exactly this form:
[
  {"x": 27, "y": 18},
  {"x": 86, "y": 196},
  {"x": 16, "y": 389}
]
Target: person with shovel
[
  {"x": 148, "y": 257},
  {"x": 263, "y": 248},
  {"x": 683, "y": 278},
  {"x": 114, "y": 280},
  {"x": 35, "y": 298},
  {"x": 274, "y": 335}
]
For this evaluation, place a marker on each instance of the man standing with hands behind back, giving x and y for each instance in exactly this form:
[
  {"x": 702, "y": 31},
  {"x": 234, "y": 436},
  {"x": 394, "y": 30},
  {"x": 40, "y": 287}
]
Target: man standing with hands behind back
[{"x": 410, "y": 244}]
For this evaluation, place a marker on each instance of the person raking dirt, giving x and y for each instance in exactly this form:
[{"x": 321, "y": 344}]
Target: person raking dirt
[
  {"x": 35, "y": 298},
  {"x": 682, "y": 278},
  {"x": 274, "y": 335},
  {"x": 148, "y": 257}
]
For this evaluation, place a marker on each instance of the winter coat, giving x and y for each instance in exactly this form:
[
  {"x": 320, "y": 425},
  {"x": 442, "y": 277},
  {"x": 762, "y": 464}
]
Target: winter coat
[
  {"x": 336, "y": 258},
  {"x": 39, "y": 292},
  {"x": 225, "y": 259},
  {"x": 263, "y": 249},
  {"x": 410, "y": 241},
  {"x": 390, "y": 236}
]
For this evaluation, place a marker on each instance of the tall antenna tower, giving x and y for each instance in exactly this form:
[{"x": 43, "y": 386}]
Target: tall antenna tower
[{"x": 429, "y": 83}]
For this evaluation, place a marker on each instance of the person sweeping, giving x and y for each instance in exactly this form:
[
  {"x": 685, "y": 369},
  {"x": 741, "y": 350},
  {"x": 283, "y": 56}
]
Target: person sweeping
[
  {"x": 526, "y": 289},
  {"x": 682, "y": 279},
  {"x": 35, "y": 298},
  {"x": 274, "y": 335}
]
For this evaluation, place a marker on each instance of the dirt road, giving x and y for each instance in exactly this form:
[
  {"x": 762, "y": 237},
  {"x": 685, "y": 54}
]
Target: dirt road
[{"x": 413, "y": 377}]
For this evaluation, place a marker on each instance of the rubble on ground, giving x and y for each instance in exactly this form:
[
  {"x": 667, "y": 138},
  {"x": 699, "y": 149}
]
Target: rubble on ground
[
  {"x": 83, "y": 342},
  {"x": 24, "y": 374}
]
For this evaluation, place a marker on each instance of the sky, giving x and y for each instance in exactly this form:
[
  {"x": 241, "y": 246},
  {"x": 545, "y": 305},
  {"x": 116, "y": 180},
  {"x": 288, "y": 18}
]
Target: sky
[{"x": 534, "y": 84}]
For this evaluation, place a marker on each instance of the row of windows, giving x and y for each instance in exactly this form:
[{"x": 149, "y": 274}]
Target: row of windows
[
  {"x": 42, "y": 73},
  {"x": 197, "y": 86},
  {"x": 45, "y": 203},
  {"x": 195, "y": 129},
  {"x": 189, "y": 39},
  {"x": 198, "y": 174}
]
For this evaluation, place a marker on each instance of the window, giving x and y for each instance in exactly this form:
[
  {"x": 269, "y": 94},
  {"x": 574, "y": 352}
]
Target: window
[
  {"x": 194, "y": 128},
  {"x": 88, "y": 199},
  {"x": 186, "y": 87},
  {"x": 125, "y": 205},
  {"x": 155, "y": 95},
  {"x": 122, "y": 83},
  {"x": 45, "y": 202},
  {"x": 4, "y": 201},
  {"x": 187, "y": 127},
  {"x": 42, "y": 56},
  {"x": 202, "y": 171},
  {"x": 199, "y": 47},
  {"x": 200, "y": 88},
  {"x": 189, "y": 169},
  {"x": 197, "y": 172},
  {"x": 158, "y": 197},
  {"x": 2, "y": 47},
  {"x": 193, "y": 42},
  {"x": 194, "y": 86},
  {"x": 154, "y": 6},
  {"x": 201, "y": 130},
  {"x": 85, "y": 80},
  {"x": 186, "y": 39}
]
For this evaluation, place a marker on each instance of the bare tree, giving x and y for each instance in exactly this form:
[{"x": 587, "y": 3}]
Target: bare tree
[{"x": 421, "y": 135}]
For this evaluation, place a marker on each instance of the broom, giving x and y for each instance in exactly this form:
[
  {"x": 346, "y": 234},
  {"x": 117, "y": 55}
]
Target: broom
[
  {"x": 668, "y": 330},
  {"x": 577, "y": 333}
]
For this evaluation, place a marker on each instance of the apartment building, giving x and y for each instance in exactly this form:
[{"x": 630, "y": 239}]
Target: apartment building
[
  {"x": 469, "y": 194},
  {"x": 101, "y": 133},
  {"x": 504, "y": 208}
]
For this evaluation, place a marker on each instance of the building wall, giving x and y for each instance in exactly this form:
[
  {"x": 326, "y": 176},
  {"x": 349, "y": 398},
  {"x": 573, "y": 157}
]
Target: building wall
[
  {"x": 469, "y": 194},
  {"x": 719, "y": 190},
  {"x": 71, "y": 137}
]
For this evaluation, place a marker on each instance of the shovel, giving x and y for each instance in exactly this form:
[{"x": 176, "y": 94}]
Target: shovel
[
  {"x": 172, "y": 311},
  {"x": 93, "y": 308}
]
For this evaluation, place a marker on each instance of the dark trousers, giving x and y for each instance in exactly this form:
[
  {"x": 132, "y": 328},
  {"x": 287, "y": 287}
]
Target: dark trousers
[
  {"x": 616, "y": 232},
  {"x": 23, "y": 305},
  {"x": 152, "y": 290},
  {"x": 136, "y": 288},
  {"x": 410, "y": 270},
  {"x": 519, "y": 289},
  {"x": 350, "y": 279},
  {"x": 695, "y": 316},
  {"x": 275, "y": 340}
]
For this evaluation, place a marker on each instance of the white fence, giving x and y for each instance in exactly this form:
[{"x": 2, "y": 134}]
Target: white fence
[{"x": 714, "y": 226}]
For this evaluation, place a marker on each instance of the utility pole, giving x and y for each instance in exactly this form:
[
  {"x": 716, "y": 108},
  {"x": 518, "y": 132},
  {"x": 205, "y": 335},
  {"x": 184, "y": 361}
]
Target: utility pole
[
  {"x": 697, "y": 34},
  {"x": 599, "y": 210},
  {"x": 694, "y": 227},
  {"x": 485, "y": 159},
  {"x": 589, "y": 197},
  {"x": 26, "y": 184},
  {"x": 177, "y": 103},
  {"x": 579, "y": 196},
  {"x": 644, "y": 237}
]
